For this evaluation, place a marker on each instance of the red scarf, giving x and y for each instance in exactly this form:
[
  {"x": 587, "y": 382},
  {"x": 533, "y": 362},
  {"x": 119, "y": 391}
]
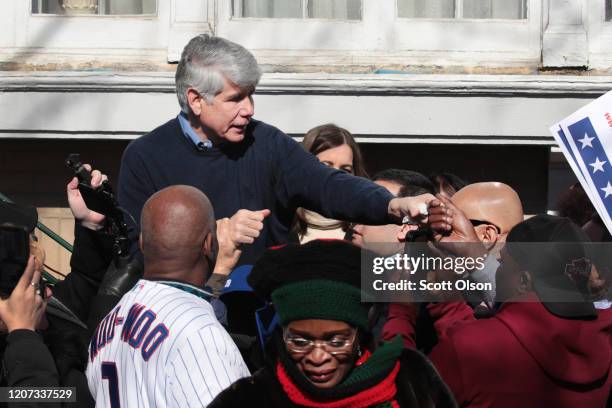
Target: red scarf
[{"x": 381, "y": 393}]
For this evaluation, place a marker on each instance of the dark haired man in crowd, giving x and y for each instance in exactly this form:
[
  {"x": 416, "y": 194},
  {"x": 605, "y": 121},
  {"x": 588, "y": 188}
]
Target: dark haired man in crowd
[
  {"x": 396, "y": 179},
  {"x": 240, "y": 163},
  {"x": 446, "y": 184},
  {"x": 400, "y": 183}
]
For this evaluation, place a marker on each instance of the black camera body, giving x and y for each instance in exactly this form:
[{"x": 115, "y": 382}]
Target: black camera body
[
  {"x": 102, "y": 200},
  {"x": 14, "y": 254}
]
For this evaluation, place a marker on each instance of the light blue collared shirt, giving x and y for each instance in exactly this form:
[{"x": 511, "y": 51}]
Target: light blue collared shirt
[{"x": 192, "y": 135}]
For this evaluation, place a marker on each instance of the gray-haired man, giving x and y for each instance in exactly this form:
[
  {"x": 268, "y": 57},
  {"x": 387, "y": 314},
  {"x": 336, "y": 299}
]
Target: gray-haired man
[{"x": 241, "y": 163}]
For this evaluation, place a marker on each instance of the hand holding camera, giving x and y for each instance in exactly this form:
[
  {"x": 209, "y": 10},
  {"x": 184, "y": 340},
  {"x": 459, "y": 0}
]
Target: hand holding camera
[
  {"x": 25, "y": 307},
  {"x": 88, "y": 218},
  {"x": 95, "y": 202}
]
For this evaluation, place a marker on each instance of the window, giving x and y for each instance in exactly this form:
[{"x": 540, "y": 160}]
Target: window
[
  {"x": 94, "y": 7},
  {"x": 113, "y": 32},
  {"x": 598, "y": 24},
  {"x": 477, "y": 9},
  {"x": 303, "y": 9},
  {"x": 340, "y": 33}
]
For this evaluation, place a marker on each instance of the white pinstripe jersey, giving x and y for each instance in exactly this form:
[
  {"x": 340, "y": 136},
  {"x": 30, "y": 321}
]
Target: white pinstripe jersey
[{"x": 161, "y": 347}]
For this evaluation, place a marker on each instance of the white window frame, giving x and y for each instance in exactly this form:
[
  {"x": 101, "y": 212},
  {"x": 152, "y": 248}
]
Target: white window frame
[
  {"x": 116, "y": 38},
  {"x": 382, "y": 36},
  {"x": 599, "y": 34},
  {"x": 100, "y": 11},
  {"x": 292, "y": 33},
  {"x": 458, "y": 12},
  {"x": 507, "y": 40},
  {"x": 92, "y": 30},
  {"x": 304, "y": 11}
]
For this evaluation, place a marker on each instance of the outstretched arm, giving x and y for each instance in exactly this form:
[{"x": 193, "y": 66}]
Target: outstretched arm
[{"x": 305, "y": 182}]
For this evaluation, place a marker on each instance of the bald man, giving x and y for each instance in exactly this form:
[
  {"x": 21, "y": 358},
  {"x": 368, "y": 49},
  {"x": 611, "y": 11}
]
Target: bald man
[
  {"x": 177, "y": 235},
  {"x": 481, "y": 215},
  {"x": 162, "y": 345},
  {"x": 492, "y": 207}
]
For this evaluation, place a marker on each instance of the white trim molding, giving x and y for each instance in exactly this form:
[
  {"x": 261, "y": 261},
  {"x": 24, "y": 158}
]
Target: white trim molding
[
  {"x": 316, "y": 83},
  {"x": 453, "y": 109}
]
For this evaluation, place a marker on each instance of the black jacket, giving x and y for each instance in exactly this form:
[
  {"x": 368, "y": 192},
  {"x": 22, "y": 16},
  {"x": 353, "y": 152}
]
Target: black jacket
[
  {"x": 58, "y": 357},
  {"x": 418, "y": 385}
]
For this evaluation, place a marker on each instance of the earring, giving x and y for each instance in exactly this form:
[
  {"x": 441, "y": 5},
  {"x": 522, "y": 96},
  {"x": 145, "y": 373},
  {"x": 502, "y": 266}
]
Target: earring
[{"x": 359, "y": 350}]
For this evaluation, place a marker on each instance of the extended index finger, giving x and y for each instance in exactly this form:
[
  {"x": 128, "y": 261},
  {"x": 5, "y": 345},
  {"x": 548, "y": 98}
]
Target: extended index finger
[
  {"x": 28, "y": 274},
  {"x": 36, "y": 277}
]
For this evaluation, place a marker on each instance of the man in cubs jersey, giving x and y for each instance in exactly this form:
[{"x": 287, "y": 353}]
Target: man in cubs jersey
[{"x": 162, "y": 345}]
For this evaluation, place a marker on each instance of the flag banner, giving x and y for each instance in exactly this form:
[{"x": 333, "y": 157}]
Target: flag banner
[{"x": 585, "y": 138}]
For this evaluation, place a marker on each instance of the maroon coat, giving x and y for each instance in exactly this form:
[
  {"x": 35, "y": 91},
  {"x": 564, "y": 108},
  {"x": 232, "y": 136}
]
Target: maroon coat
[{"x": 526, "y": 357}]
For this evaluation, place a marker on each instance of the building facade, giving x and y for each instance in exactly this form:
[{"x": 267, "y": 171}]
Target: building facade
[{"x": 465, "y": 86}]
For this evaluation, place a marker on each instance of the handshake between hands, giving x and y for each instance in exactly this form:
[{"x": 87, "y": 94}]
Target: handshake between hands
[
  {"x": 450, "y": 228},
  {"x": 451, "y": 235}
]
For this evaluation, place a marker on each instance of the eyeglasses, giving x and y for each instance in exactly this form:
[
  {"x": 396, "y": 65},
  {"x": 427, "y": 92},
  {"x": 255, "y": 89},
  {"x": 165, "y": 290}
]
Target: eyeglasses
[
  {"x": 336, "y": 345},
  {"x": 476, "y": 223}
]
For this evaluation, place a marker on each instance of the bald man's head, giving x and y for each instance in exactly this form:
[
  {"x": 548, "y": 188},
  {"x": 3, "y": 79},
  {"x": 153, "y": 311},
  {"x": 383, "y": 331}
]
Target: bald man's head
[
  {"x": 175, "y": 223},
  {"x": 493, "y": 202}
]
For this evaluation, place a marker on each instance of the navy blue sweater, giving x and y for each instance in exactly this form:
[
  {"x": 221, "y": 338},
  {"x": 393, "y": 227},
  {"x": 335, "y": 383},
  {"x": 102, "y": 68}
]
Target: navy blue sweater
[{"x": 267, "y": 169}]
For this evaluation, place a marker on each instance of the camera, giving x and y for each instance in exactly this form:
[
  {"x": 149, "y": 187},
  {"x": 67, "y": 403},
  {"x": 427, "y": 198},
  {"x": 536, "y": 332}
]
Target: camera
[
  {"x": 16, "y": 224},
  {"x": 102, "y": 200},
  {"x": 14, "y": 254},
  {"x": 15, "y": 249}
]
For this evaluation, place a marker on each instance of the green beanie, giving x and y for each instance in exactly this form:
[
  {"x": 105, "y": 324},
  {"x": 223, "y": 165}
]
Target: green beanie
[
  {"x": 321, "y": 299},
  {"x": 317, "y": 280}
]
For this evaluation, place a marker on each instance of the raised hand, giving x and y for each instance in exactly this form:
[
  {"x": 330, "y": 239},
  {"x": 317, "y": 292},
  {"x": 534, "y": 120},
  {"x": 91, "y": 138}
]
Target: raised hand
[
  {"x": 88, "y": 218},
  {"x": 453, "y": 232},
  {"x": 246, "y": 225},
  {"x": 25, "y": 307},
  {"x": 229, "y": 250}
]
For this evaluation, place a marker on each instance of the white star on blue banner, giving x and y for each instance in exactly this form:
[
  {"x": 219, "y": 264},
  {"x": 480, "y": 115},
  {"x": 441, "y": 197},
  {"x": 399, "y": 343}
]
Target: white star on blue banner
[{"x": 593, "y": 154}]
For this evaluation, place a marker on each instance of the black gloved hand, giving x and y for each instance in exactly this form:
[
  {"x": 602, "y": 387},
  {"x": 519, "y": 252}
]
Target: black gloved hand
[{"x": 120, "y": 277}]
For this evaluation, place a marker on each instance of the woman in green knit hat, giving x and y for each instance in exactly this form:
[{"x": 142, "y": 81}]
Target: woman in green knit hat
[{"x": 322, "y": 354}]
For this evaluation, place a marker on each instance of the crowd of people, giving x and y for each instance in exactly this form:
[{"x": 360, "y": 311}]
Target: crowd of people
[{"x": 245, "y": 281}]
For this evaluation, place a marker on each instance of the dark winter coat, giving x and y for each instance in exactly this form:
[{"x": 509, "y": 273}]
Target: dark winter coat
[
  {"x": 58, "y": 356},
  {"x": 418, "y": 384}
]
